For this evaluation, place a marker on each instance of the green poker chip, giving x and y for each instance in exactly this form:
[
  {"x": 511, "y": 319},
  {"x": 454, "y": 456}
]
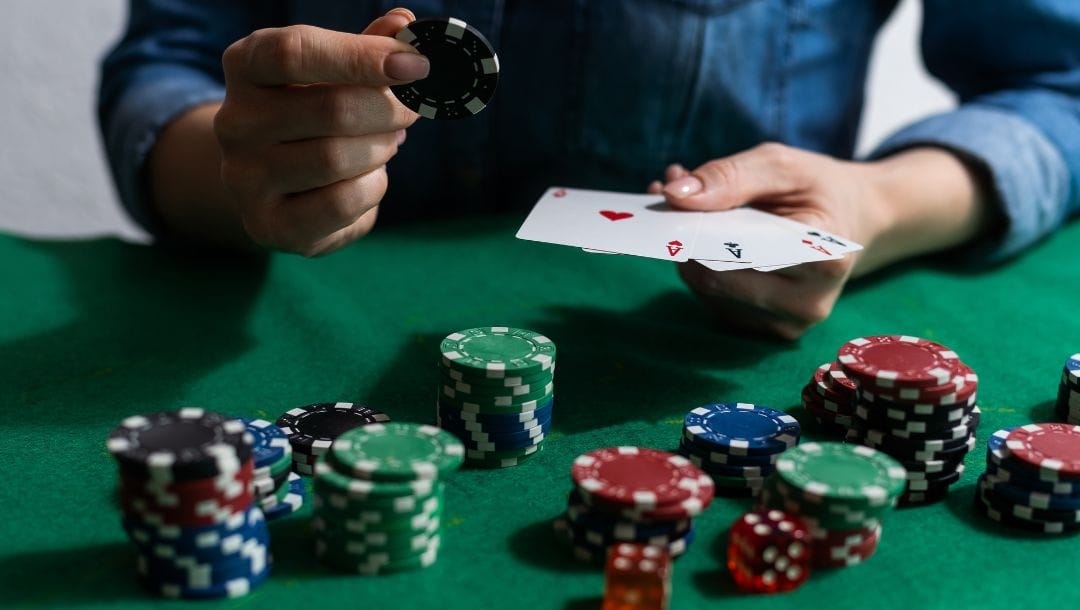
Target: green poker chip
[
  {"x": 842, "y": 474},
  {"x": 397, "y": 451},
  {"x": 498, "y": 351}
]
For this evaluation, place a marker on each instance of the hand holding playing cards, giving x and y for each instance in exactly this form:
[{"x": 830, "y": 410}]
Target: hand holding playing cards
[
  {"x": 307, "y": 127},
  {"x": 915, "y": 202}
]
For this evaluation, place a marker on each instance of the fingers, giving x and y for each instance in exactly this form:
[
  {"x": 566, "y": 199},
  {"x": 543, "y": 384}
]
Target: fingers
[
  {"x": 302, "y": 54},
  {"x": 779, "y": 304},
  {"x": 391, "y": 23},
  {"x": 309, "y": 164},
  {"x": 767, "y": 170},
  {"x": 314, "y": 111},
  {"x": 304, "y": 222}
]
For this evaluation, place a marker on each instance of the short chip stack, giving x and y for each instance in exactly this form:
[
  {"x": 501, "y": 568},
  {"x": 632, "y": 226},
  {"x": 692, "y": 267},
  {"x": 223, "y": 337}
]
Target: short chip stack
[
  {"x": 632, "y": 494},
  {"x": 737, "y": 443},
  {"x": 186, "y": 489},
  {"x": 830, "y": 397},
  {"x": 312, "y": 428},
  {"x": 1068, "y": 397},
  {"x": 841, "y": 492},
  {"x": 379, "y": 497},
  {"x": 496, "y": 393},
  {"x": 278, "y": 490},
  {"x": 1032, "y": 478},
  {"x": 915, "y": 401}
]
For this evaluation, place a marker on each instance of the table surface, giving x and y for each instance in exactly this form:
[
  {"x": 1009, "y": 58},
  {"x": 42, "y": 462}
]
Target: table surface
[{"x": 95, "y": 331}]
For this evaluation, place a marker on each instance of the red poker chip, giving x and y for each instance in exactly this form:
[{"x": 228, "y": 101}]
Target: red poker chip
[
  {"x": 1051, "y": 446},
  {"x": 823, "y": 411},
  {"x": 635, "y": 477},
  {"x": 959, "y": 389},
  {"x": 838, "y": 380},
  {"x": 891, "y": 361},
  {"x": 687, "y": 508},
  {"x": 839, "y": 556},
  {"x": 842, "y": 397}
]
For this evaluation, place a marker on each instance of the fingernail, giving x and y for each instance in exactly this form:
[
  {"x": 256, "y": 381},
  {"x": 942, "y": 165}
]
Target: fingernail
[
  {"x": 403, "y": 12},
  {"x": 400, "y": 137},
  {"x": 407, "y": 66},
  {"x": 684, "y": 187}
]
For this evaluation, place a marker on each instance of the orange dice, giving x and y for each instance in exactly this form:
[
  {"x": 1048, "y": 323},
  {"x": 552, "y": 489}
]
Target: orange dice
[{"x": 638, "y": 577}]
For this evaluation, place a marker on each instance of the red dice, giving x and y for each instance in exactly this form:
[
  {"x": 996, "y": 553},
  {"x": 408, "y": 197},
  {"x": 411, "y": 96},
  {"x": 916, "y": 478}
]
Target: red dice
[
  {"x": 638, "y": 577},
  {"x": 769, "y": 551}
]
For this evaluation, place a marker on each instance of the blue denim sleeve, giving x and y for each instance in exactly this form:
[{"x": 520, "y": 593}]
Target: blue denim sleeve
[
  {"x": 1015, "y": 66},
  {"x": 168, "y": 60}
]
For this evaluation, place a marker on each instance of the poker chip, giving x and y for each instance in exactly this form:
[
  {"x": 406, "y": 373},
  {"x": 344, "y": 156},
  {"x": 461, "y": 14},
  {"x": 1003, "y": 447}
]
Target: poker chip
[
  {"x": 742, "y": 428},
  {"x": 312, "y": 428},
  {"x": 1054, "y": 447},
  {"x": 1027, "y": 483},
  {"x": 290, "y": 502},
  {"x": 187, "y": 492},
  {"x": 397, "y": 452},
  {"x": 632, "y": 495},
  {"x": 885, "y": 361},
  {"x": 464, "y": 69},
  {"x": 497, "y": 393},
  {"x": 842, "y": 474},
  {"x": 634, "y": 477},
  {"x": 379, "y": 497}
]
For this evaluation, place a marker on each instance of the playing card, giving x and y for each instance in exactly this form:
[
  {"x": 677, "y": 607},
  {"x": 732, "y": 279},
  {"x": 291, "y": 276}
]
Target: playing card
[
  {"x": 641, "y": 225},
  {"x": 749, "y": 235}
]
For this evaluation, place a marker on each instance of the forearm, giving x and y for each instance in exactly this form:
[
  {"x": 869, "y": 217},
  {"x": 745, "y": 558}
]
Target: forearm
[
  {"x": 184, "y": 178},
  {"x": 921, "y": 201}
]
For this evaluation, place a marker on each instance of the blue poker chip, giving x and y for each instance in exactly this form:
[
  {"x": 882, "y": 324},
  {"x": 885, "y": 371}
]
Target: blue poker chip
[
  {"x": 1012, "y": 491},
  {"x": 1072, "y": 369},
  {"x": 292, "y": 502},
  {"x": 742, "y": 428},
  {"x": 194, "y": 574},
  {"x": 501, "y": 442},
  {"x": 451, "y": 418},
  {"x": 216, "y": 539},
  {"x": 1027, "y": 481},
  {"x": 611, "y": 527},
  {"x": 235, "y": 587},
  {"x": 691, "y": 447},
  {"x": 271, "y": 443},
  {"x": 993, "y": 498}
]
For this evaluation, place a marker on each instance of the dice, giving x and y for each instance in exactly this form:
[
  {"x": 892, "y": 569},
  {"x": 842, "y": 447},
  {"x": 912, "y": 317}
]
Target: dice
[
  {"x": 637, "y": 577},
  {"x": 769, "y": 552}
]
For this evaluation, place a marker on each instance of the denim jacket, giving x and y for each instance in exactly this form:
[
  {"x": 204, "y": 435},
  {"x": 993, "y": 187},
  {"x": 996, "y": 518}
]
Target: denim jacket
[{"x": 606, "y": 93}]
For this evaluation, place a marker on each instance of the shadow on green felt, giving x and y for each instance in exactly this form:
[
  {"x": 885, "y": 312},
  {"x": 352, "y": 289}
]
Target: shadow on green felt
[
  {"x": 654, "y": 362},
  {"x": 70, "y": 577},
  {"x": 1043, "y": 412},
  {"x": 143, "y": 323}
]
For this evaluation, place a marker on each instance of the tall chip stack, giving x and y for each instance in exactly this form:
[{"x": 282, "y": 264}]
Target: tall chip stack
[
  {"x": 496, "y": 393},
  {"x": 311, "y": 429},
  {"x": 842, "y": 492},
  {"x": 914, "y": 399},
  {"x": 278, "y": 490},
  {"x": 187, "y": 494},
  {"x": 633, "y": 495},
  {"x": 1068, "y": 397},
  {"x": 738, "y": 444},
  {"x": 379, "y": 497},
  {"x": 1032, "y": 478}
]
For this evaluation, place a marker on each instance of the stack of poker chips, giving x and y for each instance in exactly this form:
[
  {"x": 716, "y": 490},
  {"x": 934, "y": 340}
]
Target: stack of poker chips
[
  {"x": 632, "y": 494},
  {"x": 496, "y": 393},
  {"x": 312, "y": 428},
  {"x": 637, "y": 576},
  {"x": 841, "y": 492},
  {"x": 186, "y": 489},
  {"x": 278, "y": 490},
  {"x": 1032, "y": 478},
  {"x": 379, "y": 497},
  {"x": 769, "y": 551},
  {"x": 830, "y": 397},
  {"x": 738, "y": 444},
  {"x": 915, "y": 400},
  {"x": 1068, "y": 397}
]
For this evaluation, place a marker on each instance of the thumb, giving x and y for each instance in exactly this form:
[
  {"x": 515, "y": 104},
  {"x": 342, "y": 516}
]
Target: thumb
[{"x": 729, "y": 182}]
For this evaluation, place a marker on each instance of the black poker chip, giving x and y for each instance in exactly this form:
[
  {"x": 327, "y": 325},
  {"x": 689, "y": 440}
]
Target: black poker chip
[
  {"x": 182, "y": 445},
  {"x": 464, "y": 69},
  {"x": 313, "y": 428}
]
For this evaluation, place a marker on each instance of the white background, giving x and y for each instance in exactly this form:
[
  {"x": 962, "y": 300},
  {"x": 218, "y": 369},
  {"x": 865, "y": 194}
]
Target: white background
[{"x": 53, "y": 178}]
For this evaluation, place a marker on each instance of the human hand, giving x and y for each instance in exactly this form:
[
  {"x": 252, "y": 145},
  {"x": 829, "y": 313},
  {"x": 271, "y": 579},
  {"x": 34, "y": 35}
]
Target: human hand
[
  {"x": 807, "y": 187},
  {"x": 307, "y": 127}
]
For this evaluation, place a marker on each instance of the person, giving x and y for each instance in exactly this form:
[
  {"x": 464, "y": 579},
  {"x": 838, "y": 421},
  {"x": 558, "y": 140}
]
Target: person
[{"x": 231, "y": 123}]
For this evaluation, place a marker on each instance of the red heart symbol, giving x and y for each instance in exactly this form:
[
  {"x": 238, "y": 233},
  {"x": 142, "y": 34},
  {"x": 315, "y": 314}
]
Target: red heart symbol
[{"x": 613, "y": 216}]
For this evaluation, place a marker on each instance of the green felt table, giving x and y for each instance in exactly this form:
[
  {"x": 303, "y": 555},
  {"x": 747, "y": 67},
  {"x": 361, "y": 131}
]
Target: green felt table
[{"x": 95, "y": 331}]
